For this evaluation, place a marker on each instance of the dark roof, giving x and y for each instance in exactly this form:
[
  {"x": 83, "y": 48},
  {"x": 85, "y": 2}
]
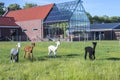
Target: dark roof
[
  {"x": 118, "y": 27},
  {"x": 7, "y": 21},
  {"x": 104, "y": 26},
  {"x": 39, "y": 12}
]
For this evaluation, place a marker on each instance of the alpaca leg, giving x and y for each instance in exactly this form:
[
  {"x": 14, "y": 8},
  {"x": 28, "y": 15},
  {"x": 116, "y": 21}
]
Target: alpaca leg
[
  {"x": 24, "y": 54},
  {"x": 14, "y": 58},
  {"x": 90, "y": 56},
  {"x": 11, "y": 58},
  {"x": 49, "y": 52},
  {"x": 55, "y": 54},
  {"x": 17, "y": 57},
  {"x": 94, "y": 55},
  {"x": 31, "y": 56},
  {"x": 85, "y": 54}
]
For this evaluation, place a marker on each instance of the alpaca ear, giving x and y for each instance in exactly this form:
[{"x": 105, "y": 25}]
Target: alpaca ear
[{"x": 18, "y": 45}]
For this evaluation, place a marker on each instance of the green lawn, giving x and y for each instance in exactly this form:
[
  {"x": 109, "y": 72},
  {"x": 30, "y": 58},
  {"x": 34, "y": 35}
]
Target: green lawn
[{"x": 68, "y": 65}]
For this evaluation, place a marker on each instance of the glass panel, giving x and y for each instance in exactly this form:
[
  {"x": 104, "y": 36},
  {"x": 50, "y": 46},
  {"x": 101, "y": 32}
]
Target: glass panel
[
  {"x": 61, "y": 11},
  {"x": 79, "y": 19}
]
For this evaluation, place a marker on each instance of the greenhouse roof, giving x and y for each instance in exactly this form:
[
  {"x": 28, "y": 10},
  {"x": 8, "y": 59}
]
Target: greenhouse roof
[{"x": 64, "y": 11}]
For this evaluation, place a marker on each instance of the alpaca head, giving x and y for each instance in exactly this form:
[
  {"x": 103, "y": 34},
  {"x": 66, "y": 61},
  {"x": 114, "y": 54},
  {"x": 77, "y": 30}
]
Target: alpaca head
[
  {"x": 58, "y": 43},
  {"x": 33, "y": 44},
  {"x": 94, "y": 43},
  {"x": 18, "y": 45}
]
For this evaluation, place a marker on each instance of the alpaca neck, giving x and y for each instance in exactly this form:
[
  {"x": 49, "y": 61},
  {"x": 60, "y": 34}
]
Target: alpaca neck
[
  {"x": 94, "y": 46},
  {"x": 18, "y": 48},
  {"x": 32, "y": 47},
  {"x": 57, "y": 46}
]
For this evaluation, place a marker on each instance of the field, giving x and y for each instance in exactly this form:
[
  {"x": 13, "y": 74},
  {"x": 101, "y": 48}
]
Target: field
[{"x": 68, "y": 65}]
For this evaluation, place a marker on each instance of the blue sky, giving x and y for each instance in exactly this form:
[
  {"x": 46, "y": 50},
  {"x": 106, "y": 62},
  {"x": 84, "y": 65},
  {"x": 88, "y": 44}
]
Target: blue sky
[{"x": 94, "y": 7}]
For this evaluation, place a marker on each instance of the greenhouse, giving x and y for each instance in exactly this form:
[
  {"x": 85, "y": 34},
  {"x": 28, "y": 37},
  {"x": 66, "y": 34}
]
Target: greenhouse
[{"x": 67, "y": 20}]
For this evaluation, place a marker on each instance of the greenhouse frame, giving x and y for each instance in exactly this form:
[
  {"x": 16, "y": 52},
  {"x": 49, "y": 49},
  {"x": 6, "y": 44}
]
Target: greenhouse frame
[{"x": 67, "y": 20}]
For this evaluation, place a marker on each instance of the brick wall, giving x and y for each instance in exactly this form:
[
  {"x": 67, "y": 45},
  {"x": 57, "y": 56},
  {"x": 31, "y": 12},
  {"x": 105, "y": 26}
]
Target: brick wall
[{"x": 33, "y": 29}]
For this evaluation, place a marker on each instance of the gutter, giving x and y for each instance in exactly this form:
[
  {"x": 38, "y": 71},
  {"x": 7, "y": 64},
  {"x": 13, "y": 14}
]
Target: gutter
[
  {"x": 101, "y": 29},
  {"x": 9, "y": 27}
]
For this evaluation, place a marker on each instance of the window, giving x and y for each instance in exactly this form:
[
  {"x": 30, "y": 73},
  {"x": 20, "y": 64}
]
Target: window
[
  {"x": 13, "y": 32},
  {"x": 24, "y": 30},
  {"x": 35, "y": 29}
]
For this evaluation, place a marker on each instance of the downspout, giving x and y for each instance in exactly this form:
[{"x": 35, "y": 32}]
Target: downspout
[
  {"x": 111, "y": 34},
  {"x": 42, "y": 29}
]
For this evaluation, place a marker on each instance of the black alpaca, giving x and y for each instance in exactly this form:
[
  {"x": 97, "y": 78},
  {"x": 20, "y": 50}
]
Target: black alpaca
[{"x": 91, "y": 51}]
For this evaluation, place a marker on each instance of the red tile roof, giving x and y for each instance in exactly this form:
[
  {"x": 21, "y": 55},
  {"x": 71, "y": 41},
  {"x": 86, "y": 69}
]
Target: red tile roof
[
  {"x": 7, "y": 21},
  {"x": 39, "y": 12}
]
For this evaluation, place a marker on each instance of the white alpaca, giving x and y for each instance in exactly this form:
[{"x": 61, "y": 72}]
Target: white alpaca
[
  {"x": 53, "y": 49},
  {"x": 14, "y": 53}
]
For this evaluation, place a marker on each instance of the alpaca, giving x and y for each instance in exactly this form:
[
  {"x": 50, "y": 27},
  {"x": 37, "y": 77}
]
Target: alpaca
[
  {"x": 14, "y": 53},
  {"x": 53, "y": 49},
  {"x": 29, "y": 51},
  {"x": 91, "y": 51}
]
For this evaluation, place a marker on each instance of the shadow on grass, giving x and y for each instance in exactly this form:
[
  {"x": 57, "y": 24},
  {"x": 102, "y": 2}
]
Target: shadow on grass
[
  {"x": 72, "y": 55},
  {"x": 113, "y": 58},
  {"x": 44, "y": 58}
]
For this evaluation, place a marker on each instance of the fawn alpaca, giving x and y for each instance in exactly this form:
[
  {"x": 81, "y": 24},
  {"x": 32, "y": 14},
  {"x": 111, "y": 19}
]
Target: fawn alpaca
[
  {"x": 29, "y": 51},
  {"x": 91, "y": 51},
  {"x": 53, "y": 49}
]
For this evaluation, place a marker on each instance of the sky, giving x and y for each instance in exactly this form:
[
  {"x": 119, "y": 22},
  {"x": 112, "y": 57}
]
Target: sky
[{"x": 94, "y": 7}]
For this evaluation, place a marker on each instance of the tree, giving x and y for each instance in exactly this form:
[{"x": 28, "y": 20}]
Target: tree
[
  {"x": 106, "y": 19},
  {"x": 29, "y": 5},
  {"x": 90, "y": 17},
  {"x": 115, "y": 19},
  {"x": 14, "y": 7},
  {"x": 96, "y": 19},
  {"x": 2, "y": 11}
]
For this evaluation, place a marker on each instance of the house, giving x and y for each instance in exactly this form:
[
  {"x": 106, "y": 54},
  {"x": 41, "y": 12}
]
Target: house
[
  {"x": 8, "y": 29},
  {"x": 30, "y": 21},
  {"x": 106, "y": 31}
]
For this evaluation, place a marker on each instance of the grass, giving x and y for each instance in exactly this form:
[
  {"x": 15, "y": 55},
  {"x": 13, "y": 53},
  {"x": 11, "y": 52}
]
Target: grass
[{"x": 69, "y": 64}]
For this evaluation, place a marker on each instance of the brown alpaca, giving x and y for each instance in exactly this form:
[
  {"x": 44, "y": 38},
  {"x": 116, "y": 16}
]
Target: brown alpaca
[
  {"x": 28, "y": 51},
  {"x": 91, "y": 51}
]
